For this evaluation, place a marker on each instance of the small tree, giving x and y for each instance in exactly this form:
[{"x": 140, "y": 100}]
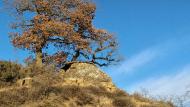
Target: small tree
[{"x": 65, "y": 24}]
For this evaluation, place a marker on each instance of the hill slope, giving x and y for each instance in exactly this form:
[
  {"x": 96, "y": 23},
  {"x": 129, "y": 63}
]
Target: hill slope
[{"x": 79, "y": 85}]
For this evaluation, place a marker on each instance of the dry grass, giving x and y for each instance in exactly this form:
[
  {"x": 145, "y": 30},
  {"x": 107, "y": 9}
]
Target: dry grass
[{"x": 46, "y": 91}]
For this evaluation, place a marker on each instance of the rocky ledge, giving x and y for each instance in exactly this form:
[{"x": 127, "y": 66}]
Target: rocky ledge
[{"x": 86, "y": 74}]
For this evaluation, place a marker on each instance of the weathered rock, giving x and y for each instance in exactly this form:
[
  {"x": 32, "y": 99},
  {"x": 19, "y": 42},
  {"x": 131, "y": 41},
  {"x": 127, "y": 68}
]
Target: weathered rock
[
  {"x": 25, "y": 82},
  {"x": 86, "y": 71},
  {"x": 85, "y": 74}
]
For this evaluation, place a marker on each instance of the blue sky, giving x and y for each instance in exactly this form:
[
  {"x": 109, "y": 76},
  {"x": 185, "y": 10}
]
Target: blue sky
[{"x": 154, "y": 39}]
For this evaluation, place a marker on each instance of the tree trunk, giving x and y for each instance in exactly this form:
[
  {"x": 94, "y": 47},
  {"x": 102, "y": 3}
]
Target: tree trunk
[
  {"x": 76, "y": 55},
  {"x": 39, "y": 58}
]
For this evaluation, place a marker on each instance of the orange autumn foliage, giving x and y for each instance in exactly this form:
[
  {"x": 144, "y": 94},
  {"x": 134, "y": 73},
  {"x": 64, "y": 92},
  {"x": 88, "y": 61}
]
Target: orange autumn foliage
[{"x": 65, "y": 24}]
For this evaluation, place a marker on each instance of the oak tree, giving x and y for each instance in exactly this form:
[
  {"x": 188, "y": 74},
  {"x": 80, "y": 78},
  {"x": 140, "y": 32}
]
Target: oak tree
[{"x": 67, "y": 25}]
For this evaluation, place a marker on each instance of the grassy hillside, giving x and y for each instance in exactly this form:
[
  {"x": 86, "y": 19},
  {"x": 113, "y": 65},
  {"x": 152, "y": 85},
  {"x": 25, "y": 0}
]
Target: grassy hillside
[{"x": 33, "y": 86}]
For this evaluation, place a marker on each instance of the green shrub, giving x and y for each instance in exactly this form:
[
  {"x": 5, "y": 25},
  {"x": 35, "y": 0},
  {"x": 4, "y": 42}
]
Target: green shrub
[
  {"x": 9, "y": 72},
  {"x": 8, "y": 76}
]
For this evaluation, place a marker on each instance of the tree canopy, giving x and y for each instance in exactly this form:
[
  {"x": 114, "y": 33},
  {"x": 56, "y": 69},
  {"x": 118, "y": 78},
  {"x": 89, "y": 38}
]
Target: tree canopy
[{"x": 67, "y": 25}]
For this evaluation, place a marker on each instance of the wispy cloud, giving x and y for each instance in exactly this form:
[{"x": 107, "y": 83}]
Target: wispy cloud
[
  {"x": 175, "y": 87},
  {"x": 135, "y": 62},
  {"x": 151, "y": 54},
  {"x": 138, "y": 60},
  {"x": 169, "y": 85}
]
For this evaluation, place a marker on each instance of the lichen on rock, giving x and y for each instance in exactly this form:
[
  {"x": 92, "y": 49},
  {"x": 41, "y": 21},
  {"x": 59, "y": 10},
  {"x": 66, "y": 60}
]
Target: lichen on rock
[{"x": 87, "y": 74}]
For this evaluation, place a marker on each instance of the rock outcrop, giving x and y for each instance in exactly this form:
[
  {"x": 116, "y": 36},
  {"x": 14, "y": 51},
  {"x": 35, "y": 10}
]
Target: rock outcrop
[{"x": 86, "y": 74}]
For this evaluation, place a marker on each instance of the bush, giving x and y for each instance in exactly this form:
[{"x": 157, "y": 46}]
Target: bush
[
  {"x": 9, "y": 72},
  {"x": 140, "y": 98},
  {"x": 120, "y": 93},
  {"x": 9, "y": 76},
  {"x": 84, "y": 99},
  {"x": 123, "y": 102}
]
